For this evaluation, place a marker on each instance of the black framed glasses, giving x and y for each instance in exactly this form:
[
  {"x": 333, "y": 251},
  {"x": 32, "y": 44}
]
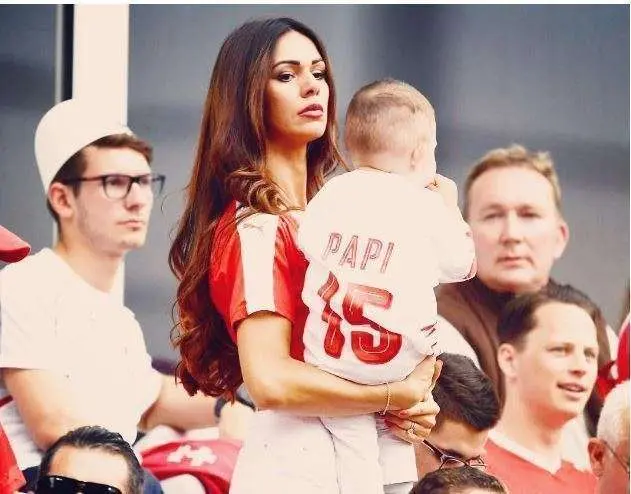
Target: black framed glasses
[
  {"x": 118, "y": 185},
  {"x": 623, "y": 464},
  {"x": 58, "y": 484},
  {"x": 450, "y": 461}
]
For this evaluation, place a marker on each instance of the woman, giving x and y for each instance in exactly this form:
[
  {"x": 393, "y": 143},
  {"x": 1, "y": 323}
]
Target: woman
[{"x": 265, "y": 146}]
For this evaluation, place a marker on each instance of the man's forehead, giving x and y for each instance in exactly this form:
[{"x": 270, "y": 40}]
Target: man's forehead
[
  {"x": 513, "y": 187},
  {"x": 115, "y": 160},
  {"x": 563, "y": 323}
]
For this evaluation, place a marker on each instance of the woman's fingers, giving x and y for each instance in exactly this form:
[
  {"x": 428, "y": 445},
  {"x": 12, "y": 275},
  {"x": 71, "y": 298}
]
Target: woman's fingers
[
  {"x": 409, "y": 430},
  {"x": 414, "y": 424}
]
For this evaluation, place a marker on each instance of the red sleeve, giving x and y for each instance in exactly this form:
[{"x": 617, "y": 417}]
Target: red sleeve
[
  {"x": 11, "y": 478},
  {"x": 255, "y": 266}
]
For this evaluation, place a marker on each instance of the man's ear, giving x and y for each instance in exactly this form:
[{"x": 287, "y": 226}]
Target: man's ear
[
  {"x": 563, "y": 237},
  {"x": 596, "y": 450},
  {"x": 506, "y": 358},
  {"x": 61, "y": 199}
]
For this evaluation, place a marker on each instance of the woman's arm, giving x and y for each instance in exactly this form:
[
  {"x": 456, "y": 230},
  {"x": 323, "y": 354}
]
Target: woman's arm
[{"x": 277, "y": 381}]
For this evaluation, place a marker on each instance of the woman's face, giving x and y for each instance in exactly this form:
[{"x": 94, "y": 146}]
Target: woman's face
[{"x": 297, "y": 93}]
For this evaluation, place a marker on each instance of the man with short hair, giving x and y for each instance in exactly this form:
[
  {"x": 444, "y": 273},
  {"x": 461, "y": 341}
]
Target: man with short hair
[
  {"x": 469, "y": 408},
  {"x": 609, "y": 451},
  {"x": 90, "y": 459},
  {"x": 512, "y": 202},
  {"x": 71, "y": 352},
  {"x": 462, "y": 480},
  {"x": 548, "y": 352}
]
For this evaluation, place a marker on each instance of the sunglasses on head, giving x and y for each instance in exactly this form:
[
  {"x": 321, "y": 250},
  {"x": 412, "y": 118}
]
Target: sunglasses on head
[{"x": 58, "y": 484}]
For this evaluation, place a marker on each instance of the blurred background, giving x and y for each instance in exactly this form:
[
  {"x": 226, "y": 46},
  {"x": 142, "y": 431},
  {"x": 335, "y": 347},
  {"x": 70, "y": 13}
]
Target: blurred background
[{"x": 551, "y": 77}]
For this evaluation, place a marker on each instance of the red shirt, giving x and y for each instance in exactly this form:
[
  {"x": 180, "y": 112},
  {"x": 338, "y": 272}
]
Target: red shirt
[
  {"x": 523, "y": 477},
  {"x": 255, "y": 265},
  {"x": 11, "y": 478},
  {"x": 210, "y": 461}
]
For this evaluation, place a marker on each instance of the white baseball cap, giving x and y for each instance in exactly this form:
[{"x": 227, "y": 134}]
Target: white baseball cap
[{"x": 68, "y": 127}]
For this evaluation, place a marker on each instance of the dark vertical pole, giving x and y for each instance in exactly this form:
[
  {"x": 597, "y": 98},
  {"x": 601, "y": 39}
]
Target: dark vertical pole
[{"x": 64, "y": 52}]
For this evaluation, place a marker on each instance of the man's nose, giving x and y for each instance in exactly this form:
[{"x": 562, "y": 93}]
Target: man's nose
[
  {"x": 512, "y": 228},
  {"x": 138, "y": 196}
]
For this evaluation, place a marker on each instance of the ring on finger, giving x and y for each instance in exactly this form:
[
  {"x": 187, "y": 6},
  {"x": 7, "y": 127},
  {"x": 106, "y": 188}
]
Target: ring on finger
[{"x": 411, "y": 430}]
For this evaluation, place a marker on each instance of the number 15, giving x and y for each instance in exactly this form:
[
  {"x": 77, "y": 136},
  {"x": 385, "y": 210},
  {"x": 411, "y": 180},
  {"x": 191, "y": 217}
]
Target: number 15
[{"x": 356, "y": 297}]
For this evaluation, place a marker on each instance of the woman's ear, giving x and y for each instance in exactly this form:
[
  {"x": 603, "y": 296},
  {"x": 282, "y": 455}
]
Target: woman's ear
[{"x": 61, "y": 200}]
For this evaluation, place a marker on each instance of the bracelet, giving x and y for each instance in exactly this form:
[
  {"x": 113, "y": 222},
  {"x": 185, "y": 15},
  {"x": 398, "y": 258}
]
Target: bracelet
[{"x": 389, "y": 395}]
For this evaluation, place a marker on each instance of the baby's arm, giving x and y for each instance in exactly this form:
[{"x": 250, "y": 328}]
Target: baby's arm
[{"x": 451, "y": 234}]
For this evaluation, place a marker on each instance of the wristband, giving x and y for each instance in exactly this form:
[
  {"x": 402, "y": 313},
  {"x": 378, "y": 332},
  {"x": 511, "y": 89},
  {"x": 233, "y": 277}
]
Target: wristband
[
  {"x": 219, "y": 404},
  {"x": 243, "y": 397}
]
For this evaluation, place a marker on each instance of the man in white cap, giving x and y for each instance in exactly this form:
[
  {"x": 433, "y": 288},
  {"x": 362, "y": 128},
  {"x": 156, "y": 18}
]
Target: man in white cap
[{"x": 71, "y": 353}]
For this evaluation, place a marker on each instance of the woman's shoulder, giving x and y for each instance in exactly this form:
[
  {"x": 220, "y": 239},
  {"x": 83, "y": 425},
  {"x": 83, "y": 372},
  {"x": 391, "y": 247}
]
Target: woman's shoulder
[{"x": 253, "y": 227}]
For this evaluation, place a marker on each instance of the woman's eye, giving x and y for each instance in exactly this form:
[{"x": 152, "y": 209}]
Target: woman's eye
[
  {"x": 319, "y": 74},
  {"x": 285, "y": 76}
]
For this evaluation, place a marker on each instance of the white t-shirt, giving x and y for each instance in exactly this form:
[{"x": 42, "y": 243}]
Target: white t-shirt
[
  {"x": 51, "y": 319},
  {"x": 377, "y": 245}
]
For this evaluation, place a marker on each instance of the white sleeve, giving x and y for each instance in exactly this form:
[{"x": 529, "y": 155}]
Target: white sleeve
[
  {"x": 451, "y": 341},
  {"x": 452, "y": 241},
  {"x": 26, "y": 326}
]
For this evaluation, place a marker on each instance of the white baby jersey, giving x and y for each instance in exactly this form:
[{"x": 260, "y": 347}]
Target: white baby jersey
[{"x": 377, "y": 245}]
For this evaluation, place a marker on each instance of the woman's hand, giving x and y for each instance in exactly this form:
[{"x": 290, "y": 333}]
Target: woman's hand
[
  {"x": 234, "y": 420},
  {"x": 414, "y": 424},
  {"x": 414, "y": 388}
]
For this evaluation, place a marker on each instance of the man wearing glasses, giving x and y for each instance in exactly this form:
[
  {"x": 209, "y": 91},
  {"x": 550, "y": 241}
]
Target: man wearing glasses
[
  {"x": 469, "y": 408},
  {"x": 71, "y": 353},
  {"x": 90, "y": 460},
  {"x": 609, "y": 451}
]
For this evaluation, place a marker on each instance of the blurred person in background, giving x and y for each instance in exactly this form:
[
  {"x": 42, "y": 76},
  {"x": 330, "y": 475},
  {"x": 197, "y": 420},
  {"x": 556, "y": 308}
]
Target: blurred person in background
[
  {"x": 90, "y": 460},
  {"x": 548, "y": 354},
  {"x": 469, "y": 409},
  {"x": 609, "y": 450},
  {"x": 71, "y": 352},
  {"x": 12, "y": 249},
  {"x": 512, "y": 202},
  {"x": 460, "y": 480}
]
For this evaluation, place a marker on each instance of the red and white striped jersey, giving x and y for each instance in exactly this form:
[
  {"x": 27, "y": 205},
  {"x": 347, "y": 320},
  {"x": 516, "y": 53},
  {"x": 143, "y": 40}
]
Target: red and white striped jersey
[
  {"x": 255, "y": 266},
  {"x": 377, "y": 245}
]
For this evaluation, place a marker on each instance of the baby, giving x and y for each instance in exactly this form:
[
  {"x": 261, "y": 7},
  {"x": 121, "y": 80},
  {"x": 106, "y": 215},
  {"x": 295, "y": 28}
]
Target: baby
[{"x": 378, "y": 240}]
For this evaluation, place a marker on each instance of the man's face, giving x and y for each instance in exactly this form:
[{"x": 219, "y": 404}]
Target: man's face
[
  {"x": 112, "y": 226},
  {"x": 91, "y": 465},
  {"x": 454, "y": 439},
  {"x": 517, "y": 230},
  {"x": 611, "y": 467},
  {"x": 554, "y": 370}
]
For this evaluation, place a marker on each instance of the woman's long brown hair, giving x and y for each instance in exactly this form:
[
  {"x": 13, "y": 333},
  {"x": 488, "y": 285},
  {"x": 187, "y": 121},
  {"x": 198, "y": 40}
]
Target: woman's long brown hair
[{"x": 229, "y": 166}]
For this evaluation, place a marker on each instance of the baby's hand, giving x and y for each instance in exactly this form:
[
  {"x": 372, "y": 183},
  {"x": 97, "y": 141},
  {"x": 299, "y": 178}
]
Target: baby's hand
[{"x": 447, "y": 188}]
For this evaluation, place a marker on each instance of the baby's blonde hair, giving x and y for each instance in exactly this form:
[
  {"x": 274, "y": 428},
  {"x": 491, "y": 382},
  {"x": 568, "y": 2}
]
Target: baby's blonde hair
[{"x": 381, "y": 117}]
